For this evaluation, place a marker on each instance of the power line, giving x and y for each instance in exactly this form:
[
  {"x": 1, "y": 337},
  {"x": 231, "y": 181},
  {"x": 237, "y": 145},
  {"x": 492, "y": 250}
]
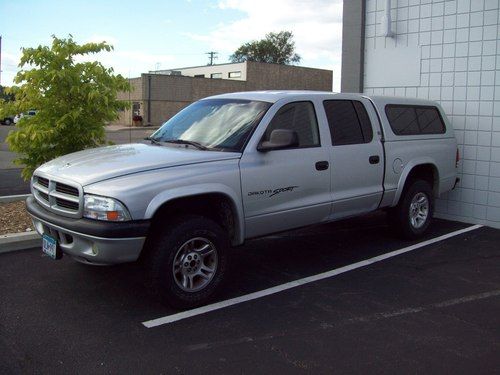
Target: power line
[{"x": 212, "y": 56}]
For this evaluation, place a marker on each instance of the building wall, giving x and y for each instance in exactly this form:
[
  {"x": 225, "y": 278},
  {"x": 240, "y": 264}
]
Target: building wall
[
  {"x": 225, "y": 69},
  {"x": 353, "y": 45},
  {"x": 135, "y": 95},
  {"x": 262, "y": 76},
  {"x": 171, "y": 93},
  {"x": 447, "y": 51}
]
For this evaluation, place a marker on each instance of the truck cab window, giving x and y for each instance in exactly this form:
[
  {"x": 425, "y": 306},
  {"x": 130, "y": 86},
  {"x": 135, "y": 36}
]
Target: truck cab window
[
  {"x": 348, "y": 121},
  {"x": 299, "y": 117}
]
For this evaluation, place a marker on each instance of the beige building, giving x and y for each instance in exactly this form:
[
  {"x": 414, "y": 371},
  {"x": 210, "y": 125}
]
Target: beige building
[{"x": 157, "y": 96}]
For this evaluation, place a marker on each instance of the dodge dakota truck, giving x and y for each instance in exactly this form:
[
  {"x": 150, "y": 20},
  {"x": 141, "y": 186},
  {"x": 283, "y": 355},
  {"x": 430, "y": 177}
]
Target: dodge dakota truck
[{"x": 237, "y": 166}]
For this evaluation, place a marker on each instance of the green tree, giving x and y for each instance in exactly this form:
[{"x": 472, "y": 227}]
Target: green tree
[
  {"x": 74, "y": 100},
  {"x": 277, "y": 48},
  {"x": 8, "y": 94}
]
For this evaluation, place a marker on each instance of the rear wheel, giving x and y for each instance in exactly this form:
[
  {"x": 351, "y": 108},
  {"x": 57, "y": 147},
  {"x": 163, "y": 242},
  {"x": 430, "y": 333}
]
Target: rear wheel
[
  {"x": 413, "y": 214},
  {"x": 7, "y": 121},
  {"x": 187, "y": 262}
]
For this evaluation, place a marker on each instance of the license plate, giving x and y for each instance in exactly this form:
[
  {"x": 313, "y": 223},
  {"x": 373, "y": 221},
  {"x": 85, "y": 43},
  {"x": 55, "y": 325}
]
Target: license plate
[{"x": 49, "y": 247}]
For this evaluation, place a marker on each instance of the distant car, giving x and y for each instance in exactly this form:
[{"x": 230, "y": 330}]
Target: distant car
[{"x": 9, "y": 120}]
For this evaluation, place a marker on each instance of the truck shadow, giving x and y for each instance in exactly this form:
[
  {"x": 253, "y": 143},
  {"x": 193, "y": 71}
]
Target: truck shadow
[{"x": 259, "y": 264}]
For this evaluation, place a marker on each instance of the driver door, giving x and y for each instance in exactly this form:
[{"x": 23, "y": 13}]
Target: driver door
[{"x": 286, "y": 188}]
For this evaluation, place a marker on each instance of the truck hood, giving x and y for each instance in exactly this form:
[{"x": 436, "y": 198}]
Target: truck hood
[{"x": 98, "y": 164}]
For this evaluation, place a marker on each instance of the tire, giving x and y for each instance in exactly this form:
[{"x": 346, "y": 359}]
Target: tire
[
  {"x": 7, "y": 122},
  {"x": 413, "y": 214},
  {"x": 176, "y": 259}
]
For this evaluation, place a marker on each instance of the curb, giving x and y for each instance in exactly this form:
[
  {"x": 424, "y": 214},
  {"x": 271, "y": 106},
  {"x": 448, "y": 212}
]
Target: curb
[
  {"x": 19, "y": 241},
  {"x": 13, "y": 198}
]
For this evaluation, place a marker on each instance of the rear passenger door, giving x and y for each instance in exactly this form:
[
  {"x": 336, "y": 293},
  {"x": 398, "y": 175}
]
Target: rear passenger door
[{"x": 357, "y": 159}]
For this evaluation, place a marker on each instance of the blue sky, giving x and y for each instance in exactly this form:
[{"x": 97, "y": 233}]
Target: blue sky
[{"x": 147, "y": 34}]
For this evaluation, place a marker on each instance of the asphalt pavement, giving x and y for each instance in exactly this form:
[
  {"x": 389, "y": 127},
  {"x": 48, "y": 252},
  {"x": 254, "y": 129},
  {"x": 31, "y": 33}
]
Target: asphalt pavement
[{"x": 432, "y": 310}]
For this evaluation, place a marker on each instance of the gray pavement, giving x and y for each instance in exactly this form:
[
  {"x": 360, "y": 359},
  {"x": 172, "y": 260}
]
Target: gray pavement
[{"x": 434, "y": 310}]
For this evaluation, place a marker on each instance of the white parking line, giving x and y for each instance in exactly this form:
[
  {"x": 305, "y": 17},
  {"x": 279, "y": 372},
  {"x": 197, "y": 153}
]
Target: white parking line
[{"x": 293, "y": 284}]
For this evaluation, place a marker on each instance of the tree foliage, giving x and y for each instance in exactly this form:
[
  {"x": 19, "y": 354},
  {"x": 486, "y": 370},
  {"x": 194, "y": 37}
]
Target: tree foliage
[
  {"x": 277, "y": 48},
  {"x": 8, "y": 94},
  {"x": 73, "y": 100},
  {"x": 7, "y": 101}
]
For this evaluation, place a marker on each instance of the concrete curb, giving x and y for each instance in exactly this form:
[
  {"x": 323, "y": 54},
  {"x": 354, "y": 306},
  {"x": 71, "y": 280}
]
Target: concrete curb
[
  {"x": 13, "y": 198},
  {"x": 19, "y": 241}
]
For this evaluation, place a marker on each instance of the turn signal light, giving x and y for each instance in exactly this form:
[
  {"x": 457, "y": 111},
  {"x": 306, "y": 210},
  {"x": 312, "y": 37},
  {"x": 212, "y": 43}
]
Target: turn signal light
[{"x": 112, "y": 215}]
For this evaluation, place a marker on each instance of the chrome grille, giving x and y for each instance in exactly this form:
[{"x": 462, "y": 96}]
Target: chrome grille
[
  {"x": 61, "y": 197},
  {"x": 66, "y": 189},
  {"x": 43, "y": 181}
]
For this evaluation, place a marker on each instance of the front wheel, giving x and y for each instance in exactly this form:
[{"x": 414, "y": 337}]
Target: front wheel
[
  {"x": 413, "y": 214},
  {"x": 187, "y": 262}
]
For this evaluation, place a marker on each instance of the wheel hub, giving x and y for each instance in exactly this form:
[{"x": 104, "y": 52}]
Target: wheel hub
[
  {"x": 195, "y": 264},
  {"x": 419, "y": 210},
  {"x": 191, "y": 263}
]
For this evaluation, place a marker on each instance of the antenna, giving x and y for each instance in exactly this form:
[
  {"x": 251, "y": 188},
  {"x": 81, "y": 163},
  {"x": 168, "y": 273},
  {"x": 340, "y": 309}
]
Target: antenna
[{"x": 212, "y": 56}]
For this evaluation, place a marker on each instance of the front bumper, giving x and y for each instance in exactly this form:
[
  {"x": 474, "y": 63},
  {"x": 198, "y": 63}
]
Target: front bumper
[{"x": 91, "y": 241}]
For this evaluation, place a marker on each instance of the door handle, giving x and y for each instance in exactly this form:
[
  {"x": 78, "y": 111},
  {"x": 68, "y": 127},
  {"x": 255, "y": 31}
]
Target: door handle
[
  {"x": 374, "y": 159},
  {"x": 322, "y": 165}
]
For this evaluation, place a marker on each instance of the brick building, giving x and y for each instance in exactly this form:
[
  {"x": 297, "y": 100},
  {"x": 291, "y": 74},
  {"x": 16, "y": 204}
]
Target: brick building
[{"x": 158, "y": 95}]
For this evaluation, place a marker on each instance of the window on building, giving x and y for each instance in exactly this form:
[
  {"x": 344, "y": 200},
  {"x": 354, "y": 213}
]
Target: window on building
[
  {"x": 300, "y": 117},
  {"x": 414, "y": 120},
  {"x": 234, "y": 74},
  {"x": 348, "y": 121},
  {"x": 216, "y": 75},
  {"x": 136, "y": 108},
  {"x": 199, "y": 76}
]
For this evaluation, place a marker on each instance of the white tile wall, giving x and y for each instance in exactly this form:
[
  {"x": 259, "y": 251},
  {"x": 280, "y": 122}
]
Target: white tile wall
[{"x": 459, "y": 63}]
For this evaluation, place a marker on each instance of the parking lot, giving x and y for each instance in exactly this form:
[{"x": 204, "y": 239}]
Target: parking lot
[{"x": 433, "y": 308}]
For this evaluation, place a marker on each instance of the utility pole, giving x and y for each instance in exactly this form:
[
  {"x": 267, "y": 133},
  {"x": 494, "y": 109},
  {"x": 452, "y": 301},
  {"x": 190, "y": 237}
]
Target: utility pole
[
  {"x": 0, "y": 59},
  {"x": 212, "y": 56}
]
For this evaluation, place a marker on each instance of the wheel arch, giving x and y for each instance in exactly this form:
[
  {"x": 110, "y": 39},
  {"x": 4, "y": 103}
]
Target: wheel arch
[
  {"x": 215, "y": 201},
  {"x": 424, "y": 169}
]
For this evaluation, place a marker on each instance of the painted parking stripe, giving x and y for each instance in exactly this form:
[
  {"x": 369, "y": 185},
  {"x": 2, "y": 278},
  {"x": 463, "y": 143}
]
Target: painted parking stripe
[{"x": 293, "y": 284}]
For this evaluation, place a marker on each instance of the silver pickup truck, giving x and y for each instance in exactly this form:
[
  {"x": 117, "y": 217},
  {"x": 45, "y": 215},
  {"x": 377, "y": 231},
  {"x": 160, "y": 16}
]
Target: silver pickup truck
[{"x": 238, "y": 166}]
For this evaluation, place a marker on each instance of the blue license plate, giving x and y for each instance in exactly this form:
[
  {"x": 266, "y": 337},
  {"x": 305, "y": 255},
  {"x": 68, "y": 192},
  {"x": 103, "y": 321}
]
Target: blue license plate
[{"x": 49, "y": 246}]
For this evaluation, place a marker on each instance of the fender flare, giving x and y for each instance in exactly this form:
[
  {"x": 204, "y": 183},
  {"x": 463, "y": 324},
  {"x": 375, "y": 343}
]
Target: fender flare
[
  {"x": 193, "y": 190},
  {"x": 406, "y": 172}
]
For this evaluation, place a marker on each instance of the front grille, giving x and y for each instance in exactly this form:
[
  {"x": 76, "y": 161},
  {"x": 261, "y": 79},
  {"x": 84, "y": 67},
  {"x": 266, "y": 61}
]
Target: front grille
[
  {"x": 67, "y": 204},
  {"x": 43, "y": 181},
  {"x": 66, "y": 189},
  {"x": 44, "y": 196},
  {"x": 60, "y": 197}
]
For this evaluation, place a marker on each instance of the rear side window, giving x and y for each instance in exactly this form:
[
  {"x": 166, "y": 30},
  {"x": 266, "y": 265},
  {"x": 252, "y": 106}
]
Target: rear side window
[
  {"x": 414, "y": 119},
  {"x": 348, "y": 121}
]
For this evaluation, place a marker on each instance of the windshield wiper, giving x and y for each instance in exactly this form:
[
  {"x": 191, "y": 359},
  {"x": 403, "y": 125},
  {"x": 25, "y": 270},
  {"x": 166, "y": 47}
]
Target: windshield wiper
[
  {"x": 186, "y": 142},
  {"x": 153, "y": 140}
]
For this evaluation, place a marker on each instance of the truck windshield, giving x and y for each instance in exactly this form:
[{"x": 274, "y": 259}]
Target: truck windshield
[{"x": 222, "y": 124}]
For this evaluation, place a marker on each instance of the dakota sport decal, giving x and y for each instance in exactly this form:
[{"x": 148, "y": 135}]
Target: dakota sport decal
[{"x": 272, "y": 193}]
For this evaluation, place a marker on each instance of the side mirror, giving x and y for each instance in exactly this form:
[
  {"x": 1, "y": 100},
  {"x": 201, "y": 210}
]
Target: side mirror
[{"x": 280, "y": 139}]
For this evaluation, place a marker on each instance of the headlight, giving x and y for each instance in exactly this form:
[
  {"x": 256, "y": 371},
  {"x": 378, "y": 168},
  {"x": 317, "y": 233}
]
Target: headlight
[{"x": 102, "y": 208}]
